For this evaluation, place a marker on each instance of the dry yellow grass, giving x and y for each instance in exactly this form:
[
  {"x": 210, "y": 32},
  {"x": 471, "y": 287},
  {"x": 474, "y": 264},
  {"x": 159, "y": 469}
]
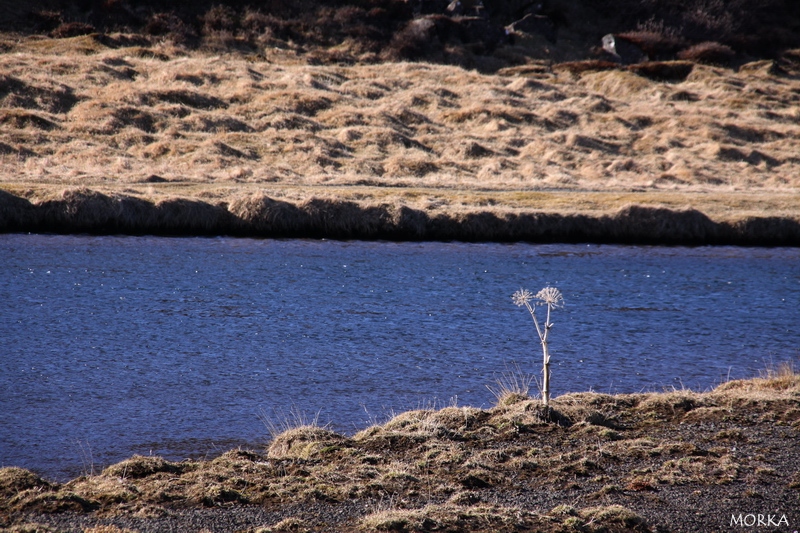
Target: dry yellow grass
[{"x": 159, "y": 124}]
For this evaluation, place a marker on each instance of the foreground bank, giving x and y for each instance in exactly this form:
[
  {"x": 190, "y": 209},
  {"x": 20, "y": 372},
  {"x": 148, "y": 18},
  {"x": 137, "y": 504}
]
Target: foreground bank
[
  {"x": 674, "y": 461},
  {"x": 258, "y": 215}
]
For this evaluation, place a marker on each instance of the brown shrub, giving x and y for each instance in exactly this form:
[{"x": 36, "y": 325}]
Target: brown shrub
[
  {"x": 657, "y": 45},
  {"x": 673, "y": 71},
  {"x": 72, "y": 29},
  {"x": 710, "y": 53},
  {"x": 259, "y": 26},
  {"x": 171, "y": 26},
  {"x": 220, "y": 18}
]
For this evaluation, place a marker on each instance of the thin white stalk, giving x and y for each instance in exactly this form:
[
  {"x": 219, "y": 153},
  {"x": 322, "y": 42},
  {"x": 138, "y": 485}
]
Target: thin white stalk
[{"x": 552, "y": 298}]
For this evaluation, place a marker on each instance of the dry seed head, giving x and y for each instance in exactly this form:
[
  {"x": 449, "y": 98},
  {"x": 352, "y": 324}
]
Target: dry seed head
[
  {"x": 550, "y": 296},
  {"x": 522, "y": 297}
]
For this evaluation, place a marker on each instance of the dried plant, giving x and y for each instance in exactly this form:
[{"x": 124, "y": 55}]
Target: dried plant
[
  {"x": 552, "y": 298},
  {"x": 511, "y": 386}
]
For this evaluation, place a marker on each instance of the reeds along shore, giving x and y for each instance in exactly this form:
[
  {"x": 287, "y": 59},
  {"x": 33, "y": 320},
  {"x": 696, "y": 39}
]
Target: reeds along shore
[{"x": 257, "y": 215}]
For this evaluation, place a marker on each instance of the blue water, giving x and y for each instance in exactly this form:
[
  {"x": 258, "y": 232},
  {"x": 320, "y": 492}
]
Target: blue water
[{"x": 112, "y": 346}]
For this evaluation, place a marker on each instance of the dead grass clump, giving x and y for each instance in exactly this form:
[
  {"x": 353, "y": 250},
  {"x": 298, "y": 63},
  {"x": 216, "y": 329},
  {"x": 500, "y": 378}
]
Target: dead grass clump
[
  {"x": 261, "y": 214},
  {"x": 107, "y": 529},
  {"x": 343, "y": 219},
  {"x": 419, "y": 423},
  {"x": 140, "y": 466},
  {"x": 658, "y": 45},
  {"x": 783, "y": 377},
  {"x": 184, "y": 97},
  {"x": 304, "y": 442},
  {"x": 654, "y": 224},
  {"x": 81, "y": 209},
  {"x": 53, "y": 98},
  {"x": 14, "y": 480},
  {"x": 19, "y": 119},
  {"x": 613, "y": 518},
  {"x": 522, "y": 416},
  {"x": 449, "y": 518},
  {"x": 171, "y": 26},
  {"x": 50, "y": 502},
  {"x": 72, "y": 29},
  {"x": 404, "y": 167},
  {"x": 182, "y": 216},
  {"x": 459, "y": 420},
  {"x": 668, "y": 405},
  {"x": 706, "y": 470},
  {"x": 589, "y": 65},
  {"x": 767, "y": 231},
  {"x": 482, "y": 518},
  {"x": 617, "y": 83},
  {"x": 287, "y": 525},
  {"x": 511, "y": 386},
  {"x": 710, "y": 53},
  {"x": 220, "y": 18},
  {"x": 132, "y": 116},
  {"x": 15, "y": 213},
  {"x": 669, "y": 71}
]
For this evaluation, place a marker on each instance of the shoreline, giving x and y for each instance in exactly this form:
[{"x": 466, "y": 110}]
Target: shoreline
[
  {"x": 255, "y": 214},
  {"x": 669, "y": 461}
]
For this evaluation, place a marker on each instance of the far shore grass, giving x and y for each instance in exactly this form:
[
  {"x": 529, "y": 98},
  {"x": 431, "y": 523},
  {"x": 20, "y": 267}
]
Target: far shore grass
[
  {"x": 594, "y": 462},
  {"x": 541, "y": 153},
  {"x": 406, "y": 214}
]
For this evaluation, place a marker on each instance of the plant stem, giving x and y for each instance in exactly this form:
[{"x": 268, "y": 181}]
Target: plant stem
[
  {"x": 546, "y": 355},
  {"x": 546, "y": 374},
  {"x": 543, "y": 339}
]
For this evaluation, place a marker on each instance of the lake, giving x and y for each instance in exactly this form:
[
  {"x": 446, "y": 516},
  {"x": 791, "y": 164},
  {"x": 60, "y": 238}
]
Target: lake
[{"x": 181, "y": 347}]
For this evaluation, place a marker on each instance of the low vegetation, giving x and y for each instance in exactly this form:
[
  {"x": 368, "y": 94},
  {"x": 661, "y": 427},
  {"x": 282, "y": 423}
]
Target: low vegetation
[{"x": 597, "y": 462}]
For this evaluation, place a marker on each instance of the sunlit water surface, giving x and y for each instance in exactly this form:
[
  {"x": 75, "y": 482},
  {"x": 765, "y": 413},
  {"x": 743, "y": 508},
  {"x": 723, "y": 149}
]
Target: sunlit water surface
[{"x": 113, "y": 346}]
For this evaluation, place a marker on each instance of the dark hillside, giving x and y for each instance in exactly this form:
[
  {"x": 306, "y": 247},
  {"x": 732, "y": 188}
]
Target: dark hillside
[{"x": 474, "y": 33}]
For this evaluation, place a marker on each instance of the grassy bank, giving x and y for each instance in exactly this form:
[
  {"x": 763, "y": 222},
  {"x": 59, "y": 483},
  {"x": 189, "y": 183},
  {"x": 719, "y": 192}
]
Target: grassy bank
[
  {"x": 672, "y": 461},
  {"x": 256, "y": 214}
]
